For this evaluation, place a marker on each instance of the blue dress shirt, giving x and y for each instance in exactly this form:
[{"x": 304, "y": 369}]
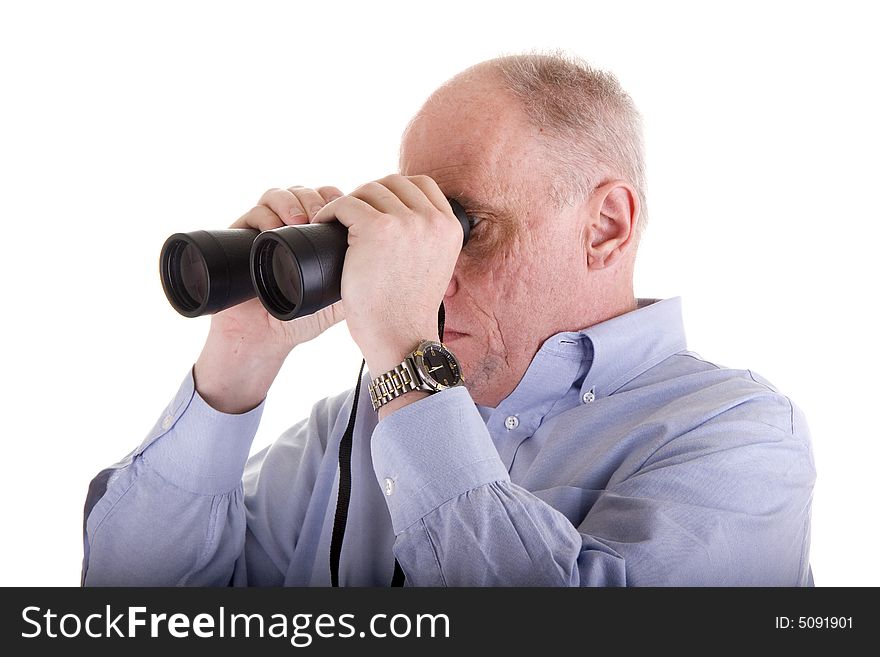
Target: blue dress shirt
[{"x": 620, "y": 459}]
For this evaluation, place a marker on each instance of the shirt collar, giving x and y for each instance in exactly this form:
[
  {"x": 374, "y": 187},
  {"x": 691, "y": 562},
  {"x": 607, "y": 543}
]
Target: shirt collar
[
  {"x": 628, "y": 345},
  {"x": 613, "y": 352}
]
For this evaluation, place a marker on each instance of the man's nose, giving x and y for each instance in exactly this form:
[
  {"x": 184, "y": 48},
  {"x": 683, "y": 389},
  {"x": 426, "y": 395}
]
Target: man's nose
[{"x": 452, "y": 287}]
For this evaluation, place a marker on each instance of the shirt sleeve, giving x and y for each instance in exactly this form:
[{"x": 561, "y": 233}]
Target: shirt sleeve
[
  {"x": 458, "y": 518},
  {"x": 188, "y": 507},
  {"x": 688, "y": 515},
  {"x": 171, "y": 513}
]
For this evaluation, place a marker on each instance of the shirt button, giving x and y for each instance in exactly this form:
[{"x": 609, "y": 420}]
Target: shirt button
[
  {"x": 167, "y": 422},
  {"x": 512, "y": 422},
  {"x": 389, "y": 485},
  {"x": 589, "y": 396}
]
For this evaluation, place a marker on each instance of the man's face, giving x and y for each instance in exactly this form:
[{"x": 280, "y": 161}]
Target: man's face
[{"x": 516, "y": 280}]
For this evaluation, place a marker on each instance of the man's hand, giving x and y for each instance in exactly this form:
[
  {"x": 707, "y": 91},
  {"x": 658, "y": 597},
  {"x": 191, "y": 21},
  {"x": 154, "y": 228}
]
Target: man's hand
[
  {"x": 246, "y": 346},
  {"x": 403, "y": 243}
]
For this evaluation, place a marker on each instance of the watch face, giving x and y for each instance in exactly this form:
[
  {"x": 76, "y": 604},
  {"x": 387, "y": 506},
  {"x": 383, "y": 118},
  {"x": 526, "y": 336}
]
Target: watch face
[{"x": 438, "y": 363}]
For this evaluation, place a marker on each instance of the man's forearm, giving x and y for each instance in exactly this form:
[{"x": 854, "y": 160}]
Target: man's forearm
[{"x": 233, "y": 378}]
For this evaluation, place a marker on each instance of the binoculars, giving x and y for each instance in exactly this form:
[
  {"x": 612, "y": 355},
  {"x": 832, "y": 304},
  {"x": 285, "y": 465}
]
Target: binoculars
[{"x": 294, "y": 270}]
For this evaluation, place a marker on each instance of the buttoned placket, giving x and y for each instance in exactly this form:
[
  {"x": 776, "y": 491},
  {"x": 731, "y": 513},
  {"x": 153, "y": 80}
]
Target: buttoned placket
[{"x": 549, "y": 377}]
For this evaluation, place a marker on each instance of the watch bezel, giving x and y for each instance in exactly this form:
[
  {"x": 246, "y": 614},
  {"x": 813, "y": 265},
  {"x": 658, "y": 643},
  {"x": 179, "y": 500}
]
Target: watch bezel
[{"x": 425, "y": 376}]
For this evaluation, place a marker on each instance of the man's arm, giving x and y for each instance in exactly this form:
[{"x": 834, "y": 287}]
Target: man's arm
[
  {"x": 174, "y": 513},
  {"x": 171, "y": 512},
  {"x": 459, "y": 520},
  {"x": 726, "y": 504}
]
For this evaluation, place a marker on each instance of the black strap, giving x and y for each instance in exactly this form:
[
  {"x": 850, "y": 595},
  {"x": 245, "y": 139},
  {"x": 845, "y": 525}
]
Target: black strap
[
  {"x": 344, "y": 494},
  {"x": 399, "y": 576},
  {"x": 441, "y": 320}
]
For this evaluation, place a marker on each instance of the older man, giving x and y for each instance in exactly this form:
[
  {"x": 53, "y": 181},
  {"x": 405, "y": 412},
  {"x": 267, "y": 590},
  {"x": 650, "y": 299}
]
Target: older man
[{"x": 586, "y": 446}]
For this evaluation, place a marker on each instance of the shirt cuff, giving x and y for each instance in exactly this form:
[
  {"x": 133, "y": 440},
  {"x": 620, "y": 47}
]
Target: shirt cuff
[
  {"x": 432, "y": 451},
  {"x": 198, "y": 448}
]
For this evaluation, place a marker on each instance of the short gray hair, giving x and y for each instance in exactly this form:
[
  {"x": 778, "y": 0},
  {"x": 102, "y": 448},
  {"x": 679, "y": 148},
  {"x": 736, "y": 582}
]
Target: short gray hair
[{"x": 593, "y": 125}]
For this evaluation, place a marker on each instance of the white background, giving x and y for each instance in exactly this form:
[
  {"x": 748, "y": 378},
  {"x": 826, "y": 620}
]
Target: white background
[{"x": 123, "y": 122}]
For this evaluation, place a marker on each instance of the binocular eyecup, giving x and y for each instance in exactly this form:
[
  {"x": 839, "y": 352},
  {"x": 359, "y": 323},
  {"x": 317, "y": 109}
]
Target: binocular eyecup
[
  {"x": 204, "y": 272},
  {"x": 294, "y": 270}
]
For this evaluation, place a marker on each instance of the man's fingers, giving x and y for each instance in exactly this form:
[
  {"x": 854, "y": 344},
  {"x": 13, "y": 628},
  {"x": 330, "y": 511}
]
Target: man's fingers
[
  {"x": 329, "y": 193},
  {"x": 431, "y": 190},
  {"x": 312, "y": 200},
  {"x": 292, "y": 206},
  {"x": 394, "y": 195},
  {"x": 259, "y": 217},
  {"x": 285, "y": 205},
  {"x": 380, "y": 197},
  {"x": 347, "y": 210},
  {"x": 301, "y": 205},
  {"x": 417, "y": 192}
]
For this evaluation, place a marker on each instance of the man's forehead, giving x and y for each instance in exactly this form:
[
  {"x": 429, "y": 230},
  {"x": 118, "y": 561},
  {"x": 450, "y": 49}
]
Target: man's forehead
[
  {"x": 474, "y": 185},
  {"x": 468, "y": 153}
]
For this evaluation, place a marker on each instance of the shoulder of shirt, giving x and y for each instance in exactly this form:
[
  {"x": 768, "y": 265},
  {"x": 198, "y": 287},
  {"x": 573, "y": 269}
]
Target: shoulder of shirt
[{"x": 721, "y": 393}]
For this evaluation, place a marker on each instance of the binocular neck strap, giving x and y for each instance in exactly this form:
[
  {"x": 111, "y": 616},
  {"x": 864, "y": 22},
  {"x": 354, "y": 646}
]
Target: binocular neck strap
[{"x": 344, "y": 494}]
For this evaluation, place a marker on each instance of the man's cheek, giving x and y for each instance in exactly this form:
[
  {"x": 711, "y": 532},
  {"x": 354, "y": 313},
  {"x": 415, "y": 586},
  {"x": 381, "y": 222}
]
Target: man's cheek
[{"x": 480, "y": 248}]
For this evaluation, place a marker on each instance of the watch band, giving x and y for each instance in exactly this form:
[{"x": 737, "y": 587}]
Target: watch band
[{"x": 393, "y": 384}]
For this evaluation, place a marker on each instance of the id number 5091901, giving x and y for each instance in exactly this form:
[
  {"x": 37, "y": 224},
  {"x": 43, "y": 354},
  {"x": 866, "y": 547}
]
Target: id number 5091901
[{"x": 814, "y": 622}]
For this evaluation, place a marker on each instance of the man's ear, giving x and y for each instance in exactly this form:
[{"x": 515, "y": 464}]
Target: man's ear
[{"x": 613, "y": 212}]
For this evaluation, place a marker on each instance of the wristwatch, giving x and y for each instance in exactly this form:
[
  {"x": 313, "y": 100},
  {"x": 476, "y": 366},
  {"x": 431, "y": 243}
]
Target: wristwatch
[{"x": 430, "y": 367}]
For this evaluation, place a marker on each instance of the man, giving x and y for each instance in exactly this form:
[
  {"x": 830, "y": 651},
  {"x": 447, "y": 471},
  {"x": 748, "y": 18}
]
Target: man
[{"x": 587, "y": 446}]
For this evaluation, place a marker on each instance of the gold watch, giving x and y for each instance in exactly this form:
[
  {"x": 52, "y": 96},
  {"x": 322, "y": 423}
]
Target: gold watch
[{"x": 430, "y": 367}]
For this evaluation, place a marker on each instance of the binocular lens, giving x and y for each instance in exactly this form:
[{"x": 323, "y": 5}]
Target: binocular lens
[
  {"x": 277, "y": 276},
  {"x": 205, "y": 272},
  {"x": 287, "y": 275},
  {"x": 297, "y": 270},
  {"x": 185, "y": 269},
  {"x": 194, "y": 275}
]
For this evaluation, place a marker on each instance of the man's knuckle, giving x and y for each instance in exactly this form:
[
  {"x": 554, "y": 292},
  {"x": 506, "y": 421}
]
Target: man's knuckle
[
  {"x": 259, "y": 217},
  {"x": 391, "y": 179},
  {"x": 328, "y": 191},
  {"x": 360, "y": 190},
  {"x": 269, "y": 193},
  {"x": 376, "y": 186}
]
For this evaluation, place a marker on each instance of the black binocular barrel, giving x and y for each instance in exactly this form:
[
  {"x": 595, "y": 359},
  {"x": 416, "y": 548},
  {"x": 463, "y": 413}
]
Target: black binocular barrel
[
  {"x": 204, "y": 272},
  {"x": 297, "y": 270},
  {"x": 294, "y": 270}
]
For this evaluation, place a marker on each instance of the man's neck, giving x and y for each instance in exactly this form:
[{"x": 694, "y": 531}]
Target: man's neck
[{"x": 496, "y": 378}]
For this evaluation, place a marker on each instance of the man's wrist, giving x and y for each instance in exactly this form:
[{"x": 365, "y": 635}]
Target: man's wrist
[
  {"x": 231, "y": 381},
  {"x": 385, "y": 358},
  {"x": 380, "y": 361}
]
